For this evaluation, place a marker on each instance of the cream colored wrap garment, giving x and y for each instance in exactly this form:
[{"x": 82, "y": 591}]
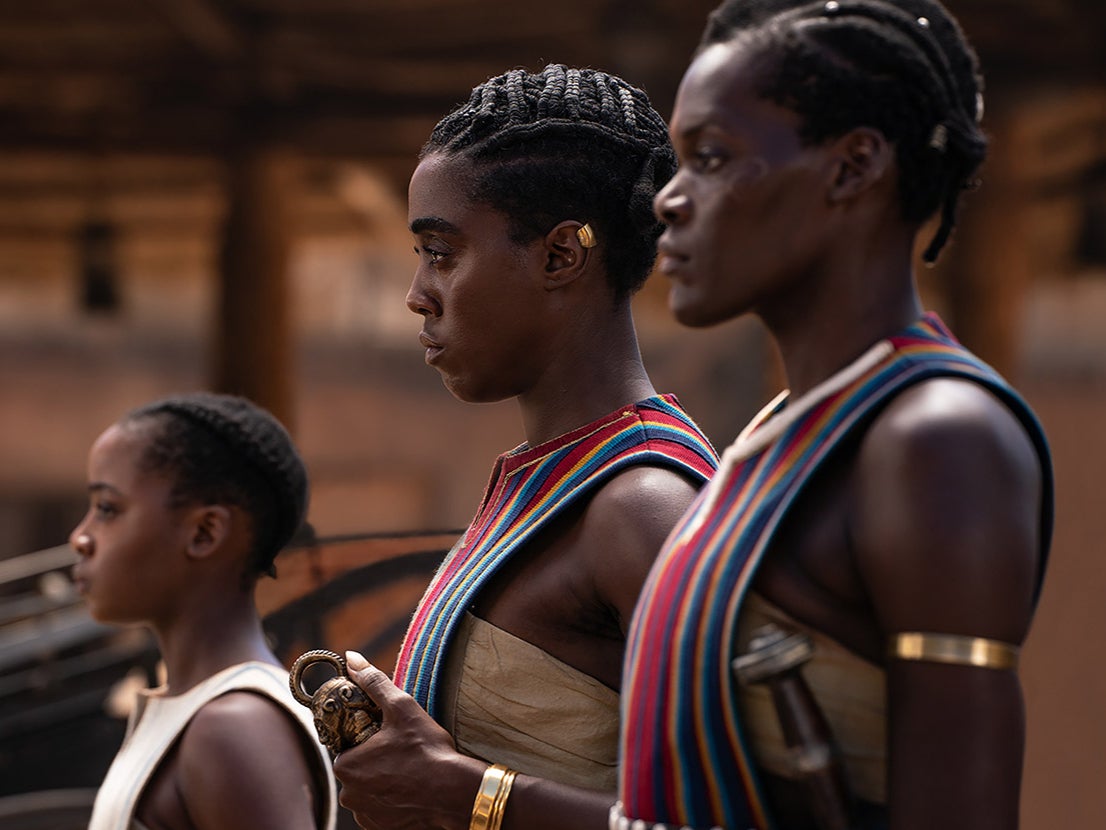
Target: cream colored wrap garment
[{"x": 508, "y": 702}]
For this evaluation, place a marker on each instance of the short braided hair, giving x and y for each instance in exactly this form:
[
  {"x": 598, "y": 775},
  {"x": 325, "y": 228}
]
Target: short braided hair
[
  {"x": 566, "y": 144},
  {"x": 903, "y": 67},
  {"x": 224, "y": 449}
]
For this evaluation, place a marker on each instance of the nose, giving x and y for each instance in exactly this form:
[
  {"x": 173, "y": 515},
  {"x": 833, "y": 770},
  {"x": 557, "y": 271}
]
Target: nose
[
  {"x": 420, "y": 300},
  {"x": 81, "y": 541},
  {"x": 671, "y": 205}
]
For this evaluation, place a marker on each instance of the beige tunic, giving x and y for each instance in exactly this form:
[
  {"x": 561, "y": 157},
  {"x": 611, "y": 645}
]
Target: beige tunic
[
  {"x": 156, "y": 723},
  {"x": 508, "y": 702}
]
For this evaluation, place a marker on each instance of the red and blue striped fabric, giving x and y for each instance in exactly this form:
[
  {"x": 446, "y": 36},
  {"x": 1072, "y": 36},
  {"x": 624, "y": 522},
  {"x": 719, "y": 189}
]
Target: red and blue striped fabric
[
  {"x": 529, "y": 487},
  {"x": 684, "y": 760}
]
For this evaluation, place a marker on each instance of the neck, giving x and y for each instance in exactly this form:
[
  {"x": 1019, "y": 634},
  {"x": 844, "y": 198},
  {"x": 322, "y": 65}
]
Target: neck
[
  {"x": 597, "y": 369},
  {"x": 866, "y": 298},
  {"x": 206, "y": 640}
]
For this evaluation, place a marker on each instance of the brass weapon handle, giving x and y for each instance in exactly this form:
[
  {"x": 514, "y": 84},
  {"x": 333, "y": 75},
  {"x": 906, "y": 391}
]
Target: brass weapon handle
[
  {"x": 310, "y": 658},
  {"x": 344, "y": 715}
]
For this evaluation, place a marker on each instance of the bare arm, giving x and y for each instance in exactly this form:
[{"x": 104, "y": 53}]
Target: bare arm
[
  {"x": 946, "y": 528},
  {"x": 627, "y": 524},
  {"x": 242, "y": 765}
]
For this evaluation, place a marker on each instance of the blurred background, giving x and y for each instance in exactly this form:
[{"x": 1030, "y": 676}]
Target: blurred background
[{"x": 212, "y": 194}]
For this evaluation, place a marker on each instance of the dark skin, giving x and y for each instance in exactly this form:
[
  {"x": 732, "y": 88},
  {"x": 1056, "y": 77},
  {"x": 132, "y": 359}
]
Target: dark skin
[
  {"x": 930, "y": 521},
  {"x": 536, "y": 321},
  {"x": 179, "y": 570}
]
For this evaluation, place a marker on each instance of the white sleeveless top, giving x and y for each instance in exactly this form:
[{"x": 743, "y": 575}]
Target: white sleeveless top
[{"x": 158, "y": 720}]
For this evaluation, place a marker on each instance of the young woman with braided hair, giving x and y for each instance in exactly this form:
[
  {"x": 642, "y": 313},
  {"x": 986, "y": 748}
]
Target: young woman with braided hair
[
  {"x": 191, "y": 498},
  {"x": 893, "y": 509},
  {"x": 531, "y": 209}
]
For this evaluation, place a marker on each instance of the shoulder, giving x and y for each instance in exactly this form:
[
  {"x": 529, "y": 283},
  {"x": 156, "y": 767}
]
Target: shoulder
[
  {"x": 948, "y": 407},
  {"x": 945, "y": 435},
  {"x": 239, "y": 726},
  {"x": 625, "y": 525},
  {"x": 243, "y": 748},
  {"x": 945, "y": 511},
  {"x": 643, "y": 498},
  {"x": 237, "y": 711}
]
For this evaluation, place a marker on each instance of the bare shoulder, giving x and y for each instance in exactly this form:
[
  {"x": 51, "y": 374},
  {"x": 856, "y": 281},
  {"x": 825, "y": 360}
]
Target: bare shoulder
[
  {"x": 637, "y": 509},
  {"x": 240, "y": 714},
  {"x": 645, "y": 492},
  {"x": 243, "y": 764},
  {"x": 626, "y": 524},
  {"x": 945, "y": 512}
]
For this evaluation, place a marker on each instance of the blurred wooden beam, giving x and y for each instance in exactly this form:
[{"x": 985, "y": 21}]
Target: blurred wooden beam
[{"x": 253, "y": 341}]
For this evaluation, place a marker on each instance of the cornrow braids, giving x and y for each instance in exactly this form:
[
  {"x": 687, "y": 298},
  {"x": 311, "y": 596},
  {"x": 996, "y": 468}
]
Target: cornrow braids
[
  {"x": 224, "y": 449},
  {"x": 562, "y": 144},
  {"x": 903, "y": 67},
  {"x": 733, "y": 16}
]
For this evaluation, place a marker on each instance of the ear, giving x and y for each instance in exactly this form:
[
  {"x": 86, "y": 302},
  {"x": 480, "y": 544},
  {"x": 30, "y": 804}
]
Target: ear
[
  {"x": 565, "y": 255},
  {"x": 209, "y": 527},
  {"x": 862, "y": 158}
]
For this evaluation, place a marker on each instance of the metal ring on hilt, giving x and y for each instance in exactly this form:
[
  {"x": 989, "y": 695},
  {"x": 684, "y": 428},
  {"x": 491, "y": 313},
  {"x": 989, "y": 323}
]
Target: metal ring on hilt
[
  {"x": 773, "y": 651},
  {"x": 310, "y": 658}
]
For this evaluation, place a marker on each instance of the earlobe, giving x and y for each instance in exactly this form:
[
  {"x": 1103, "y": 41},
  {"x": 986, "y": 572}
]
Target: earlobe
[
  {"x": 210, "y": 527},
  {"x": 566, "y": 253},
  {"x": 862, "y": 158}
]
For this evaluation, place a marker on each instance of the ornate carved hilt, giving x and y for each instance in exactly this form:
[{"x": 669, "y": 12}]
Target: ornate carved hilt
[
  {"x": 774, "y": 659},
  {"x": 344, "y": 715}
]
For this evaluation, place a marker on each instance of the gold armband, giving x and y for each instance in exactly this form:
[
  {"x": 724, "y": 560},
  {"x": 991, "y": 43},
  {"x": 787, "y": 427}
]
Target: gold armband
[
  {"x": 491, "y": 798},
  {"x": 954, "y": 648}
]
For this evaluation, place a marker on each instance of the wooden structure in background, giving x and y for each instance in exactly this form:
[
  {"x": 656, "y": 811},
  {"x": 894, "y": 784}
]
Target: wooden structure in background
[
  {"x": 240, "y": 81},
  {"x": 243, "y": 81}
]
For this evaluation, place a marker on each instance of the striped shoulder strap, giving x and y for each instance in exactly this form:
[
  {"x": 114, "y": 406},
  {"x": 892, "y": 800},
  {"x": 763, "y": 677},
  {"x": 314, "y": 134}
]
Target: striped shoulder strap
[{"x": 530, "y": 487}]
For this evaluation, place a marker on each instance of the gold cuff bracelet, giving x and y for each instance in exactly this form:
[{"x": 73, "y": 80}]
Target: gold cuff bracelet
[
  {"x": 954, "y": 648},
  {"x": 491, "y": 798}
]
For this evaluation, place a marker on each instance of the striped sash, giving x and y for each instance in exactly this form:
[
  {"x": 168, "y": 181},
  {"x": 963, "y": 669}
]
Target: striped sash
[
  {"x": 684, "y": 760},
  {"x": 529, "y": 487}
]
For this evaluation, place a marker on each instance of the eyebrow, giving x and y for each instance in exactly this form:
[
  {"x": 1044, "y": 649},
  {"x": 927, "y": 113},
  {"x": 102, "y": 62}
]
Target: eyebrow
[
  {"x": 433, "y": 223},
  {"x": 102, "y": 486},
  {"x": 693, "y": 128}
]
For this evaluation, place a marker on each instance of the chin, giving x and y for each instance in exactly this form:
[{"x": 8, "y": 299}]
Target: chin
[
  {"x": 694, "y": 315},
  {"x": 468, "y": 392}
]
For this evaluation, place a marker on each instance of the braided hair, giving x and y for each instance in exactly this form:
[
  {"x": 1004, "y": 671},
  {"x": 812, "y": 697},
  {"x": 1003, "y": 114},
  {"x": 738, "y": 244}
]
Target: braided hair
[
  {"x": 567, "y": 144},
  {"x": 903, "y": 67},
  {"x": 223, "y": 449}
]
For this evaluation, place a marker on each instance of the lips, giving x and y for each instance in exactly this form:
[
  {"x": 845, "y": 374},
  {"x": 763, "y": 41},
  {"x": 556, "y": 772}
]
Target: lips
[
  {"x": 432, "y": 346},
  {"x": 671, "y": 260}
]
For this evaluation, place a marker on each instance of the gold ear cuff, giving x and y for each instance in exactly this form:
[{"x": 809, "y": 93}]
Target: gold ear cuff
[{"x": 587, "y": 236}]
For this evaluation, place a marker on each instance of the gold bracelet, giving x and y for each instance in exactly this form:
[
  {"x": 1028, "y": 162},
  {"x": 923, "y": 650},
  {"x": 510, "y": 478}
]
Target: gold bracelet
[
  {"x": 499, "y": 806},
  {"x": 955, "y": 649},
  {"x": 491, "y": 798}
]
